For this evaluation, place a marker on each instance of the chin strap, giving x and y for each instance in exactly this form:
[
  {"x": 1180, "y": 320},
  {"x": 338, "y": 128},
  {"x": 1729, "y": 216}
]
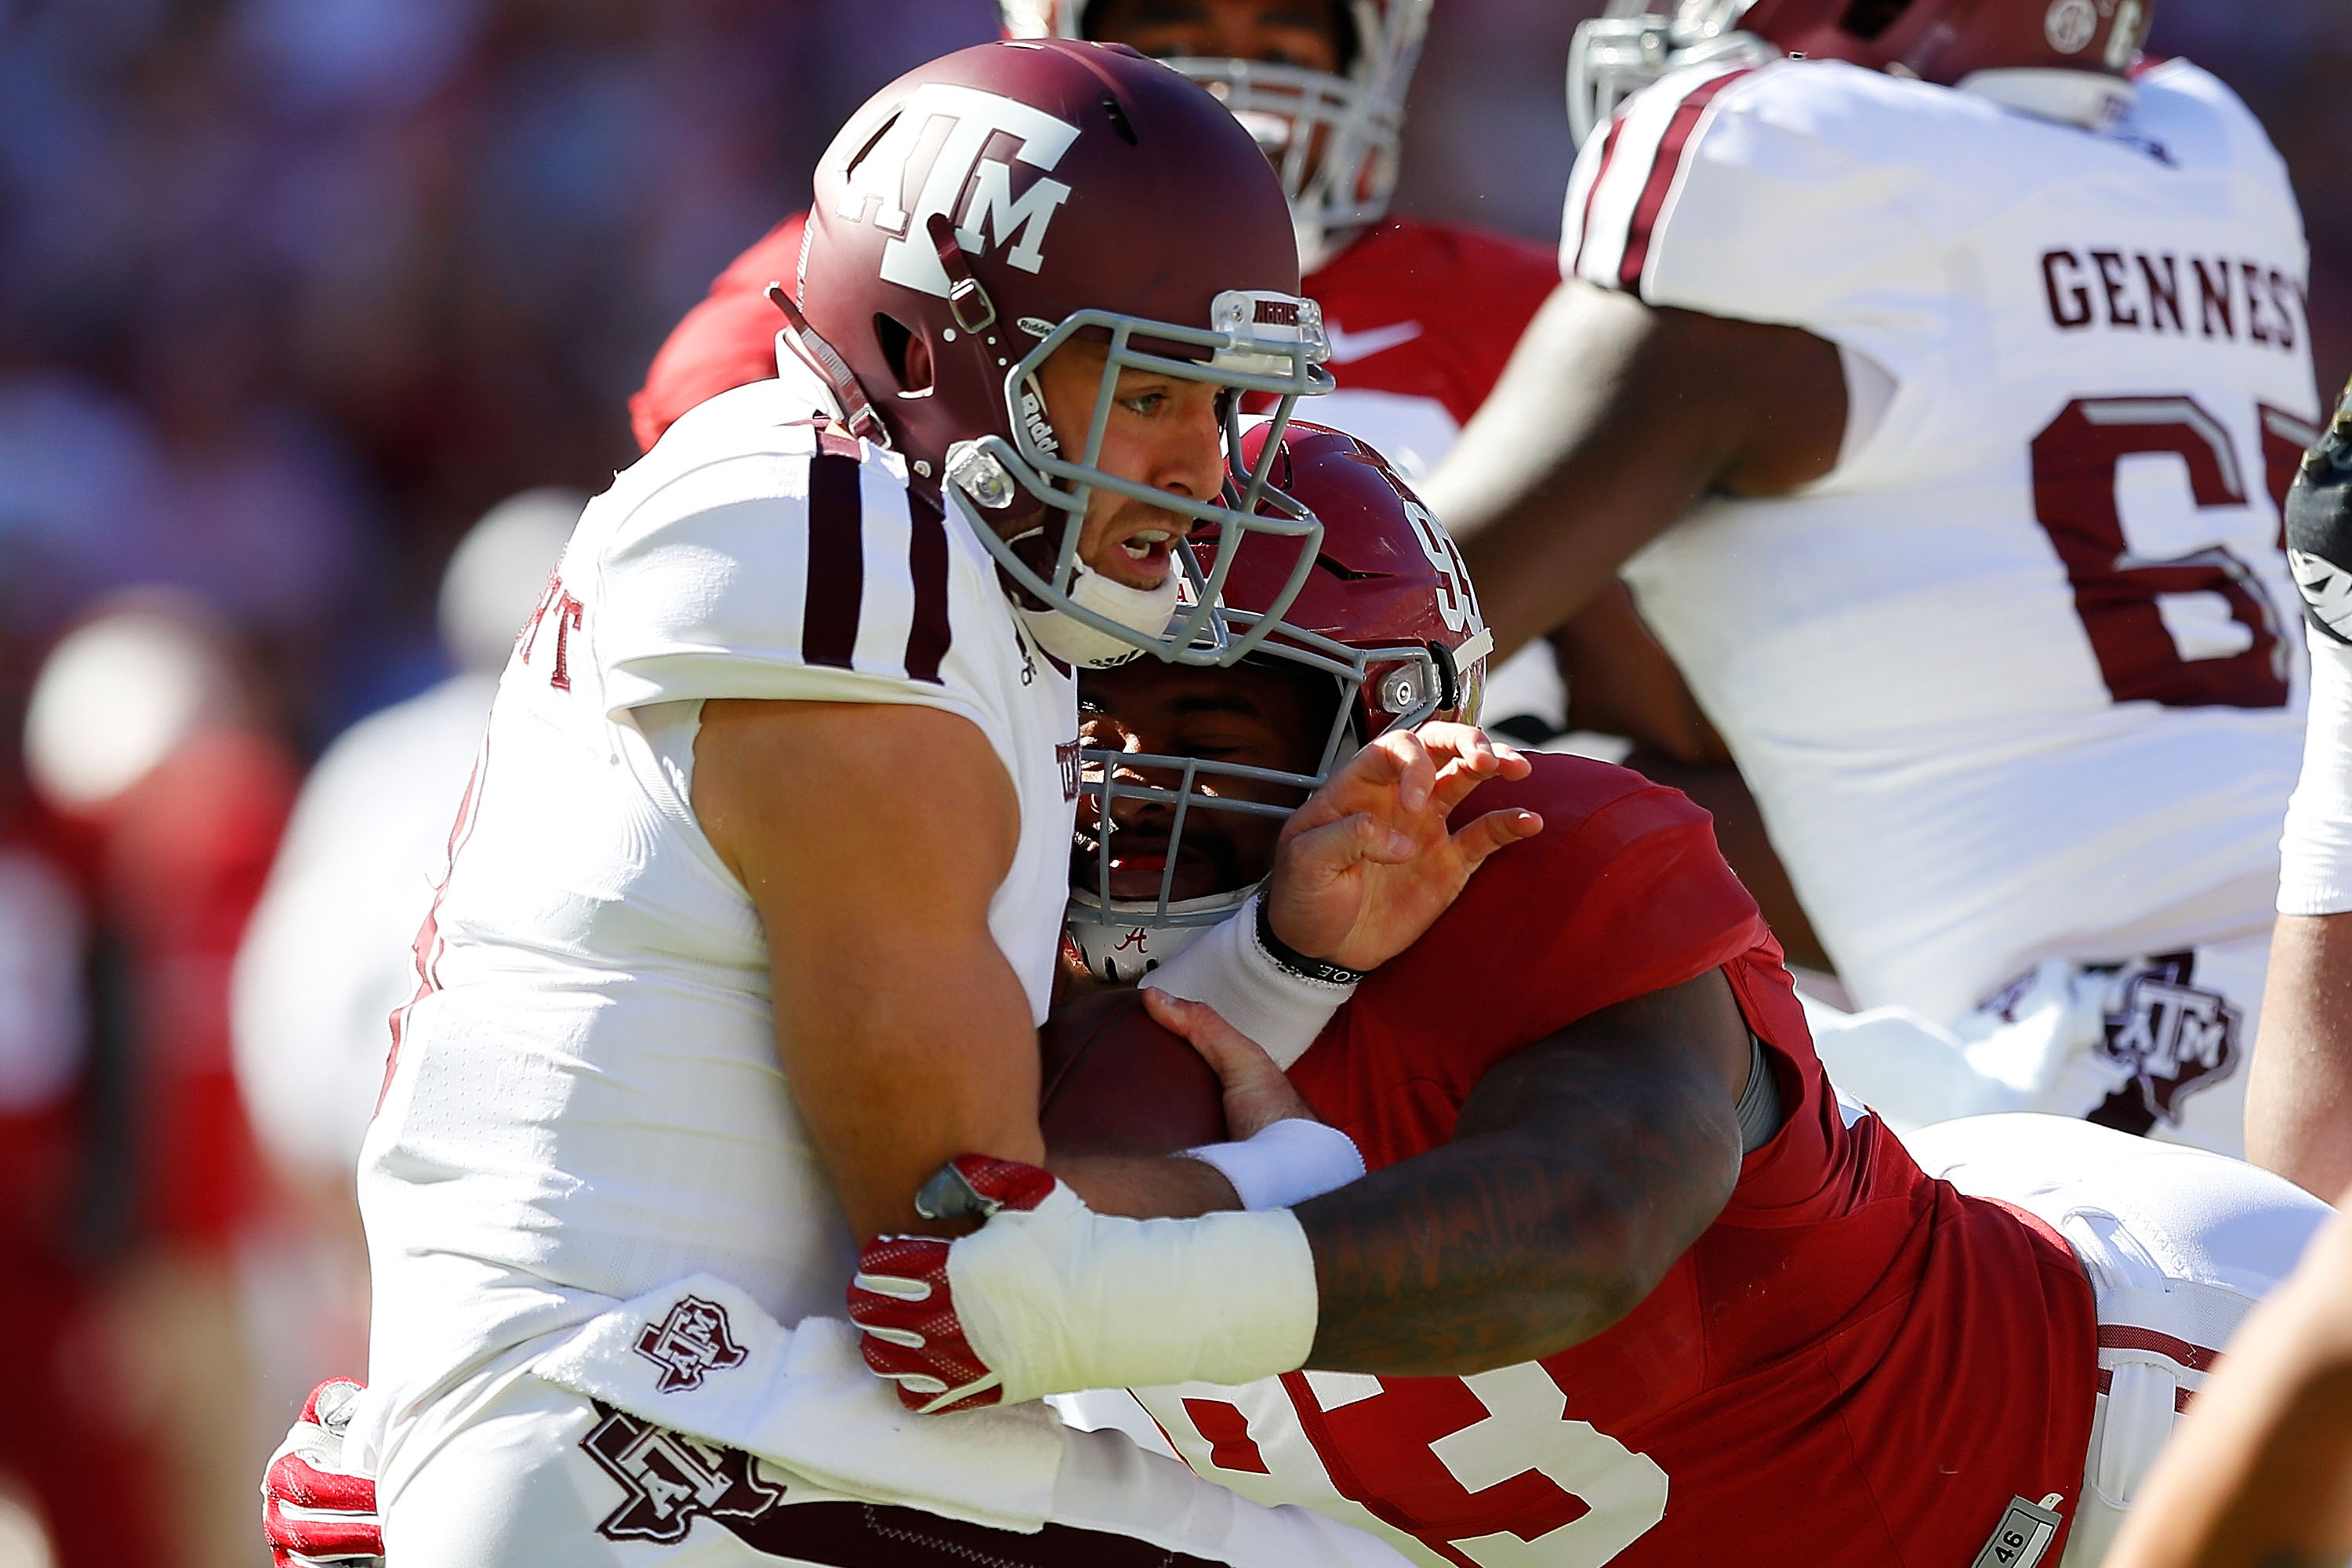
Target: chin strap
[{"x": 826, "y": 360}]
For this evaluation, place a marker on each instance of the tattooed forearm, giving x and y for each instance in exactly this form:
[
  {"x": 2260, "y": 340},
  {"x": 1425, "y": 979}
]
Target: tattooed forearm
[{"x": 1581, "y": 1168}]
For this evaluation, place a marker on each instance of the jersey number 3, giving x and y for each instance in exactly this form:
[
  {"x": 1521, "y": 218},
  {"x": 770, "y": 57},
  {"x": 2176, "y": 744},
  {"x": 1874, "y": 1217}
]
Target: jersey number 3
[
  {"x": 1484, "y": 1472},
  {"x": 2122, "y": 598}
]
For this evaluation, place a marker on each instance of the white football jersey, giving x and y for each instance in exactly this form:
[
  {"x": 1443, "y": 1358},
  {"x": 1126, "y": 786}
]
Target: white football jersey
[
  {"x": 2019, "y": 679},
  {"x": 585, "y": 1100}
]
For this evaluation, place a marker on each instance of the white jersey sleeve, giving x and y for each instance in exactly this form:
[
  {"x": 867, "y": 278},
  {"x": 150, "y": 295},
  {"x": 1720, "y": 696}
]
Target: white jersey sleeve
[
  {"x": 795, "y": 567},
  {"x": 2315, "y": 869},
  {"x": 1715, "y": 191}
]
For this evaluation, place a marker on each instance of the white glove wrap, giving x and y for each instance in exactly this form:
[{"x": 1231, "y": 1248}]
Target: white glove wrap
[
  {"x": 1227, "y": 969},
  {"x": 1058, "y": 1297},
  {"x": 1289, "y": 1162}
]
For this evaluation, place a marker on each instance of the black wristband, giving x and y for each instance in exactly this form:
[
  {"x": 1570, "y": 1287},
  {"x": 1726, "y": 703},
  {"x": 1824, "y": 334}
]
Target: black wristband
[{"x": 1291, "y": 961}]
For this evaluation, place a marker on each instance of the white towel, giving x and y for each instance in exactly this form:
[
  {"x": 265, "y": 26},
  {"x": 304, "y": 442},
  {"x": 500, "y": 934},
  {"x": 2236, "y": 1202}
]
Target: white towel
[{"x": 700, "y": 1357}]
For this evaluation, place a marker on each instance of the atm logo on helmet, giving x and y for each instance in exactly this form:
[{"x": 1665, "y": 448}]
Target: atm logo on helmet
[{"x": 963, "y": 181}]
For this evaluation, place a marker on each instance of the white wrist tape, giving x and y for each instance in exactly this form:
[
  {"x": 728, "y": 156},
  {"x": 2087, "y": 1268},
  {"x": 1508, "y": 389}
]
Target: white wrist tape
[
  {"x": 1058, "y": 1297},
  {"x": 1228, "y": 970},
  {"x": 1289, "y": 1162}
]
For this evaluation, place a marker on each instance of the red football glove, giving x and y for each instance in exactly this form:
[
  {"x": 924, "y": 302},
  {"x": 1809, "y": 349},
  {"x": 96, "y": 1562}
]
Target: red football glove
[
  {"x": 313, "y": 1511},
  {"x": 900, "y": 1297}
]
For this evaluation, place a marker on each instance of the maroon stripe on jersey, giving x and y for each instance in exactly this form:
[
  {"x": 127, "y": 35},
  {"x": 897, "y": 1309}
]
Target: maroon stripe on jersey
[
  {"x": 426, "y": 948},
  {"x": 1584, "y": 220},
  {"x": 836, "y": 562},
  {"x": 1663, "y": 169},
  {"x": 2126, "y": 1337},
  {"x": 927, "y": 563}
]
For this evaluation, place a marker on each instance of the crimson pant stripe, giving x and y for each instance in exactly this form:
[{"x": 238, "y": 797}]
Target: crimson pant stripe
[
  {"x": 1668, "y": 163},
  {"x": 2126, "y": 1337},
  {"x": 836, "y": 562},
  {"x": 1584, "y": 222},
  {"x": 927, "y": 563}
]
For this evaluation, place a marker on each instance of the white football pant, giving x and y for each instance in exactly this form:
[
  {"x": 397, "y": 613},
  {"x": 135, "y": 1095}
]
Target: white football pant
[
  {"x": 2179, "y": 1245},
  {"x": 2158, "y": 1045},
  {"x": 535, "y": 1476}
]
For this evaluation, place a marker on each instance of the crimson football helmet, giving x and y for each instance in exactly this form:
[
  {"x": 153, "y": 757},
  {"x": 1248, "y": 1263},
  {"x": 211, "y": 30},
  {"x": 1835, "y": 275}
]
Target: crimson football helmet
[
  {"x": 1387, "y": 615},
  {"x": 997, "y": 204},
  {"x": 1943, "y": 41},
  {"x": 1334, "y": 138}
]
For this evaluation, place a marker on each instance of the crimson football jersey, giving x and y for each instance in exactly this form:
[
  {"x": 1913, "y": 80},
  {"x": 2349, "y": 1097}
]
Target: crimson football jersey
[
  {"x": 726, "y": 341},
  {"x": 1855, "y": 1365},
  {"x": 1422, "y": 318}
]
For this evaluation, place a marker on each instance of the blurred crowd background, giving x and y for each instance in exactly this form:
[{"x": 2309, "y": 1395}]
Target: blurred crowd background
[{"x": 291, "y": 293}]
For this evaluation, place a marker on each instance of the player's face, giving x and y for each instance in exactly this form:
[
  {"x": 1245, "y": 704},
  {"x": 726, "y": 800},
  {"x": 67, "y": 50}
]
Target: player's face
[
  {"x": 1162, "y": 431},
  {"x": 1256, "y": 715},
  {"x": 1283, "y": 32}
]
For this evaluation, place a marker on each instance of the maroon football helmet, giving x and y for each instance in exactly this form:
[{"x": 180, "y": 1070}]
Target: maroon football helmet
[
  {"x": 1388, "y": 615},
  {"x": 1943, "y": 41},
  {"x": 1000, "y": 202}
]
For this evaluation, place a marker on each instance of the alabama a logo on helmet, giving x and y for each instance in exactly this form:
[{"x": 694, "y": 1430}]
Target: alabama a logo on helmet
[{"x": 962, "y": 175}]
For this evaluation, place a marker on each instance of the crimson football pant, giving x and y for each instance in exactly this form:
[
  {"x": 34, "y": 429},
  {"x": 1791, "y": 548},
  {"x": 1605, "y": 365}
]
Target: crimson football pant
[
  {"x": 540, "y": 1477},
  {"x": 2179, "y": 1245}
]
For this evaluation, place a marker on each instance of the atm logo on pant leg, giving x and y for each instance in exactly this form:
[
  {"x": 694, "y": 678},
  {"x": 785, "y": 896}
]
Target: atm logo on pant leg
[{"x": 671, "y": 1479}]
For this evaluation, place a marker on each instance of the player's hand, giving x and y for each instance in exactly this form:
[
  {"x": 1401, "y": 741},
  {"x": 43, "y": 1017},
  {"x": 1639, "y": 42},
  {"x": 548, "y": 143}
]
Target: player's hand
[
  {"x": 901, "y": 1299},
  {"x": 1257, "y": 1093},
  {"x": 1367, "y": 864},
  {"x": 313, "y": 1510},
  {"x": 1049, "y": 1297}
]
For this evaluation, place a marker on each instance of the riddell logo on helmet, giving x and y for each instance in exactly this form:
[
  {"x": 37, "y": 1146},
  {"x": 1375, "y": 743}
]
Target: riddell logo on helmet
[
  {"x": 971, "y": 188},
  {"x": 1032, "y": 416}
]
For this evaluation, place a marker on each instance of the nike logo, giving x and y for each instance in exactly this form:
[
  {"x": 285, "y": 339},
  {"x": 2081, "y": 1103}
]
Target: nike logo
[{"x": 1347, "y": 347}]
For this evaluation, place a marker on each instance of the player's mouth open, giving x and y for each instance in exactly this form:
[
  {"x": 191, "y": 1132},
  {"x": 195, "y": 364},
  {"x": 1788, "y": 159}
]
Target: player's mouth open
[
  {"x": 1139, "y": 865},
  {"x": 1149, "y": 548},
  {"x": 1151, "y": 542}
]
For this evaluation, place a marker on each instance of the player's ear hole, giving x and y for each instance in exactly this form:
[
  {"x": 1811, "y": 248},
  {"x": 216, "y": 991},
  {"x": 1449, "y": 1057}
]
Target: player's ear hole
[{"x": 909, "y": 356}]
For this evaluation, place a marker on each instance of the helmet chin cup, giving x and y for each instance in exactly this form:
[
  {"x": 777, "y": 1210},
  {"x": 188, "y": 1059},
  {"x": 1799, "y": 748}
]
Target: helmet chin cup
[
  {"x": 1144, "y": 612},
  {"x": 1121, "y": 943}
]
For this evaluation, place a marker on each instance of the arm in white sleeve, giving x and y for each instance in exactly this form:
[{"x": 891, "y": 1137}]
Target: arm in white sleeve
[
  {"x": 2315, "y": 855},
  {"x": 1230, "y": 970}
]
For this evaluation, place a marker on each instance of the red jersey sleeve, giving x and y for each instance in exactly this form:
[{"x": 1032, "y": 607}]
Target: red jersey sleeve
[
  {"x": 728, "y": 340},
  {"x": 1622, "y": 893},
  {"x": 1426, "y": 310}
]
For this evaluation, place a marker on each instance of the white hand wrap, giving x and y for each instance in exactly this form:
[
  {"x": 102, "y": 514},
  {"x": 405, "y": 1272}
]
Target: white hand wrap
[
  {"x": 1289, "y": 1162},
  {"x": 1058, "y": 1297},
  {"x": 1227, "y": 969}
]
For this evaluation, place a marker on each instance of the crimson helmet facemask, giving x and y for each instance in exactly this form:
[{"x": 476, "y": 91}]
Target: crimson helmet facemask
[{"x": 1387, "y": 618}]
